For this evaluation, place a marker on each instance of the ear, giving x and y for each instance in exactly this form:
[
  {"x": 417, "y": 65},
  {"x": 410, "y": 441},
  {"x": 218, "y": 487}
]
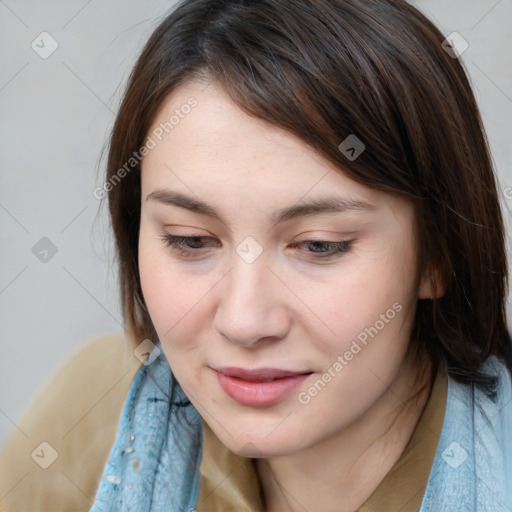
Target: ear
[{"x": 432, "y": 284}]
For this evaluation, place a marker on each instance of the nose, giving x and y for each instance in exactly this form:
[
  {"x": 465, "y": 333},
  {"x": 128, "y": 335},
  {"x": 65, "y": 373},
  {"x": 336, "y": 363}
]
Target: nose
[{"x": 252, "y": 308}]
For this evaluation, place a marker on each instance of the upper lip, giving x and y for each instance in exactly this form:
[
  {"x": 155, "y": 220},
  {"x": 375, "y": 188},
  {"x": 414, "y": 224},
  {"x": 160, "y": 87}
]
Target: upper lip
[{"x": 258, "y": 374}]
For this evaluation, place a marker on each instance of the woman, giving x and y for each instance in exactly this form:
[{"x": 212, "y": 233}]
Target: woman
[
  {"x": 315, "y": 205},
  {"x": 312, "y": 261}
]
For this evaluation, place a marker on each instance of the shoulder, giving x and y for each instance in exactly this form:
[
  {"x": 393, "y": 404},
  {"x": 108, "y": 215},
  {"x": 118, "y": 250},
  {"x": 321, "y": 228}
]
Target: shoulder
[
  {"x": 54, "y": 459},
  {"x": 493, "y": 411},
  {"x": 493, "y": 424},
  {"x": 472, "y": 469},
  {"x": 493, "y": 406},
  {"x": 492, "y": 439}
]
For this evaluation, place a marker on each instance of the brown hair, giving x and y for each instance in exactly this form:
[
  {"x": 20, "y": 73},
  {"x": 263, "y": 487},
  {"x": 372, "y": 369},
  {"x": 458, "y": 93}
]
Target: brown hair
[{"x": 323, "y": 70}]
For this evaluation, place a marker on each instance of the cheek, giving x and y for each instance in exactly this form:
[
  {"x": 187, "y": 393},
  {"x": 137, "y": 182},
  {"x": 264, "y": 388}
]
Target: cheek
[
  {"x": 369, "y": 313},
  {"x": 356, "y": 299},
  {"x": 174, "y": 302},
  {"x": 154, "y": 280},
  {"x": 166, "y": 293}
]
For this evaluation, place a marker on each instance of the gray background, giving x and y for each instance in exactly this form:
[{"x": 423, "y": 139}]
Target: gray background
[{"x": 55, "y": 117}]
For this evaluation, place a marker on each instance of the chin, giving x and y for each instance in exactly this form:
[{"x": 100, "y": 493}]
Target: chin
[{"x": 260, "y": 447}]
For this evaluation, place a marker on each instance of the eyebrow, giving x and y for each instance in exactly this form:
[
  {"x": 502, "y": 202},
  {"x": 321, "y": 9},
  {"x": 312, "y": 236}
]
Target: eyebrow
[{"x": 315, "y": 207}]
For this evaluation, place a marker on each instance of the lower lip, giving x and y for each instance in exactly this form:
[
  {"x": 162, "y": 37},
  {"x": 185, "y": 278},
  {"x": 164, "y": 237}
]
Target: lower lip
[{"x": 259, "y": 394}]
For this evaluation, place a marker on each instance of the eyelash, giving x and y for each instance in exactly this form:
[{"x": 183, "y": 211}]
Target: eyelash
[{"x": 176, "y": 243}]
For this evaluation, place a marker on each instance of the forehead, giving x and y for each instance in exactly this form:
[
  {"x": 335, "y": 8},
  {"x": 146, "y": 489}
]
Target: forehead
[
  {"x": 216, "y": 146},
  {"x": 217, "y": 127}
]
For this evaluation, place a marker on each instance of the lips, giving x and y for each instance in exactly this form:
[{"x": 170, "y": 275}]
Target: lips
[
  {"x": 261, "y": 387},
  {"x": 258, "y": 375}
]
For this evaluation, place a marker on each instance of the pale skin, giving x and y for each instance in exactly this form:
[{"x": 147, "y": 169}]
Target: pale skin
[{"x": 290, "y": 308}]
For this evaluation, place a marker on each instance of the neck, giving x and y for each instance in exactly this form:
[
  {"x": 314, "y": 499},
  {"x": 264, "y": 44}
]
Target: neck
[{"x": 346, "y": 468}]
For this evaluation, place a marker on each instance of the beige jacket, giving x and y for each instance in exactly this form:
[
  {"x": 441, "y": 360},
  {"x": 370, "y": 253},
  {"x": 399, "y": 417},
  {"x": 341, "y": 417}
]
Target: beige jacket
[{"x": 75, "y": 415}]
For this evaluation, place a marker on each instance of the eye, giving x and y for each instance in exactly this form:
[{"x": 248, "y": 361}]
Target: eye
[
  {"x": 191, "y": 246},
  {"x": 325, "y": 249},
  {"x": 185, "y": 245}
]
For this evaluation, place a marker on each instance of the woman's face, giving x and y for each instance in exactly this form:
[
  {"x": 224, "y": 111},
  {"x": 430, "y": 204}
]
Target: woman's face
[{"x": 319, "y": 298}]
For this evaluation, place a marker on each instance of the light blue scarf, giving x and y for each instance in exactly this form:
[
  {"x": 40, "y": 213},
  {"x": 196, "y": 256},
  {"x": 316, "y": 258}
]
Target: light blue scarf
[
  {"x": 154, "y": 463},
  {"x": 472, "y": 469}
]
